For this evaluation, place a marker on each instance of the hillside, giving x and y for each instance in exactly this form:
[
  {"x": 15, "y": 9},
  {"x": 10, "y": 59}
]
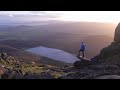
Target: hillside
[
  {"x": 28, "y": 57},
  {"x": 12, "y": 68},
  {"x": 53, "y": 34}
]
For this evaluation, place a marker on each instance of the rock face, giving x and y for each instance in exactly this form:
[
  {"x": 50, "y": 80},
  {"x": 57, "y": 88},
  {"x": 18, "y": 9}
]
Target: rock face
[
  {"x": 82, "y": 63},
  {"x": 117, "y": 34},
  {"x": 106, "y": 65},
  {"x": 112, "y": 49}
]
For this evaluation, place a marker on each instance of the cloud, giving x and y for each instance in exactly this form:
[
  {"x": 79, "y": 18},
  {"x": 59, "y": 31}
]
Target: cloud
[
  {"x": 50, "y": 14},
  {"x": 38, "y": 12},
  {"x": 28, "y": 15},
  {"x": 10, "y": 15},
  {"x": 5, "y": 13}
]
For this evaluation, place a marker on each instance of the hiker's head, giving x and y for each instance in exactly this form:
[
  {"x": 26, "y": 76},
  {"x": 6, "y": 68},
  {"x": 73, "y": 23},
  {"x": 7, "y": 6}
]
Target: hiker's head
[{"x": 82, "y": 42}]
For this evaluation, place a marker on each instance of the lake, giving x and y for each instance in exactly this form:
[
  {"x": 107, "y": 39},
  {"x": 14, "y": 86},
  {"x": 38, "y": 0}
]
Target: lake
[{"x": 53, "y": 53}]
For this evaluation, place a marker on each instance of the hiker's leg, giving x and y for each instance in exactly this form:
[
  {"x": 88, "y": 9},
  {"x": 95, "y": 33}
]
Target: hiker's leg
[
  {"x": 83, "y": 53},
  {"x": 79, "y": 53}
]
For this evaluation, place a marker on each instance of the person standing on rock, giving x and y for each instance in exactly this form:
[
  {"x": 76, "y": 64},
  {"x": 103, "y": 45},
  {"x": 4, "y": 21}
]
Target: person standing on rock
[{"x": 82, "y": 49}]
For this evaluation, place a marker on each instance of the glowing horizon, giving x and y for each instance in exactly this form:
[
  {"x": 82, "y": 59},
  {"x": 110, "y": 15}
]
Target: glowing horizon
[
  {"x": 88, "y": 16},
  {"x": 92, "y": 16}
]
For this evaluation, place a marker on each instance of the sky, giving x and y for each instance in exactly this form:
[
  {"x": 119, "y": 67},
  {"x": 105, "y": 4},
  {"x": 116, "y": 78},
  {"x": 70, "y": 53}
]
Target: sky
[{"x": 89, "y": 16}]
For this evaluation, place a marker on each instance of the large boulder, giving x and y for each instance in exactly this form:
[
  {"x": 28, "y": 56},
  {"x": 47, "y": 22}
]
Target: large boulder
[
  {"x": 8, "y": 74},
  {"x": 12, "y": 74},
  {"x": 81, "y": 64},
  {"x": 117, "y": 34}
]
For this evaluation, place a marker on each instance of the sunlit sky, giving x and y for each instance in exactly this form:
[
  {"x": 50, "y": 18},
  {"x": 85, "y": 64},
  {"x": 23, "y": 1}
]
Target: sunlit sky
[{"x": 89, "y": 16}]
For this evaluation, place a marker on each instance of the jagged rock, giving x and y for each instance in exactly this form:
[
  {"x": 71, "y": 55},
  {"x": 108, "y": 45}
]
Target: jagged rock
[
  {"x": 65, "y": 77},
  {"x": 104, "y": 65},
  {"x": 9, "y": 74},
  {"x": 108, "y": 77},
  {"x": 46, "y": 76},
  {"x": 68, "y": 69},
  {"x": 117, "y": 34},
  {"x": 81, "y": 64},
  {"x": 18, "y": 76},
  {"x": 32, "y": 76},
  {"x": 12, "y": 74},
  {"x": 112, "y": 49},
  {"x": 83, "y": 59},
  {"x": 38, "y": 76},
  {"x": 107, "y": 52},
  {"x": 77, "y": 75}
]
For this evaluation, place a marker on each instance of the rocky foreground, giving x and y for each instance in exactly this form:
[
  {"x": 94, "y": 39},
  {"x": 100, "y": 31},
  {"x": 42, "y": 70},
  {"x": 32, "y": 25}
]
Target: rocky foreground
[{"x": 12, "y": 68}]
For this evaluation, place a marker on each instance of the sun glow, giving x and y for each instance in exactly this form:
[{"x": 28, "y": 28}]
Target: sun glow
[
  {"x": 87, "y": 16},
  {"x": 91, "y": 16}
]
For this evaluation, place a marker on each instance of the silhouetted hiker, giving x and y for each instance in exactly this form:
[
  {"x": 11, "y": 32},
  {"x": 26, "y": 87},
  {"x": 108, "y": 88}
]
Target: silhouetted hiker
[{"x": 82, "y": 49}]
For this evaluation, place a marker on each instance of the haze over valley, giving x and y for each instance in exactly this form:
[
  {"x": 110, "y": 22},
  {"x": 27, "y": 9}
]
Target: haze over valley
[
  {"x": 62, "y": 35},
  {"x": 46, "y": 44},
  {"x": 55, "y": 31}
]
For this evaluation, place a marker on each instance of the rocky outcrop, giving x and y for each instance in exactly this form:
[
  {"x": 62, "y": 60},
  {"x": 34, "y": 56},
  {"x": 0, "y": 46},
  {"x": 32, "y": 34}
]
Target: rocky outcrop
[
  {"x": 81, "y": 64},
  {"x": 106, "y": 65},
  {"x": 112, "y": 49},
  {"x": 117, "y": 34},
  {"x": 107, "y": 52},
  {"x": 12, "y": 68},
  {"x": 9, "y": 74}
]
